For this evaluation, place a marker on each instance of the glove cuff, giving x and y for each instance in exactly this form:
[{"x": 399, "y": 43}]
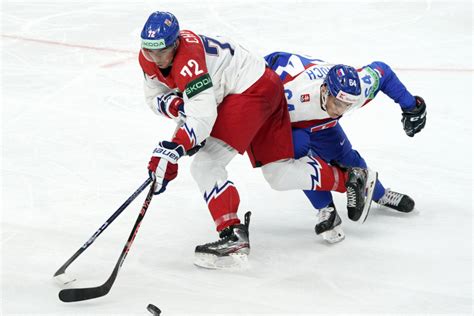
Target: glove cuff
[
  {"x": 419, "y": 107},
  {"x": 170, "y": 151}
]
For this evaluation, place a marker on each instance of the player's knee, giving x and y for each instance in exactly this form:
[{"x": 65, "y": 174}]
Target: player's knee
[
  {"x": 274, "y": 175},
  {"x": 199, "y": 169},
  {"x": 207, "y": 172}
]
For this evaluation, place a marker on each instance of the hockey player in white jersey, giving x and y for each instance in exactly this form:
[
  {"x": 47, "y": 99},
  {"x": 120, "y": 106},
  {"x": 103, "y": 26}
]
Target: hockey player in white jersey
[
  {"x": 318, "y": 94},
  {"x": 221, "y": 93}
]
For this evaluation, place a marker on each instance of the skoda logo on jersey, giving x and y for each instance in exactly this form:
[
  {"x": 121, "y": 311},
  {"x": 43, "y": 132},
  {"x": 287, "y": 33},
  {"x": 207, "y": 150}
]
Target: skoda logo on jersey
[
  {"x": 153, "y": 44},
  {"x": 198, "y": 85}
]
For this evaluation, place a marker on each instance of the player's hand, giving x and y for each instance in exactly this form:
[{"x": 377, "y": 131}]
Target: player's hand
[
  {"x": 171, "y": 105},
  {"x": 163, "y": 164},
  {"x": 414, "y": 120}
]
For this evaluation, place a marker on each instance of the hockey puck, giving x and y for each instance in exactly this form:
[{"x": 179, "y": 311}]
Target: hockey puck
[{"x": 154, "y": 310}]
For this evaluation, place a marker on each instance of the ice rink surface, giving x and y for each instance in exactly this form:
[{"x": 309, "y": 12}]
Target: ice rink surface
[{"x": 77, "y": 136}]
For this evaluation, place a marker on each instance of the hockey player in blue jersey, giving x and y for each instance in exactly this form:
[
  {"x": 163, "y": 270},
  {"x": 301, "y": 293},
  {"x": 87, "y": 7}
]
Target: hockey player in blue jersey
[{"x": 318, "y": 94}]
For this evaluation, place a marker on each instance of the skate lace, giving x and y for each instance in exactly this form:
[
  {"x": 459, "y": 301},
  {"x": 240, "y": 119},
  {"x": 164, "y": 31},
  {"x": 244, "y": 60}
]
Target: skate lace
[
  {"x": 221, "y": 240},
  {"x": 325, "y": 213},
  {"x": 351, "y": 197},
  {"x": 390, "y": 198}
]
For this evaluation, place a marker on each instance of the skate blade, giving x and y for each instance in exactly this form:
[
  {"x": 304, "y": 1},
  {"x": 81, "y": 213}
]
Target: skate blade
[
  {"x": 369, "y": 189},
  {"x": 334, "y": 235},
  {"x": 209, "y": 261}
]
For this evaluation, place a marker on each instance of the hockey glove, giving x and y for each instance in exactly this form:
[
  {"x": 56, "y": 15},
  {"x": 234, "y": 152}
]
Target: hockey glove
[
  {"x": 163, "y": 164},
  {"x": 170, "y": 105},
  {"x": 415, "y": 119}
]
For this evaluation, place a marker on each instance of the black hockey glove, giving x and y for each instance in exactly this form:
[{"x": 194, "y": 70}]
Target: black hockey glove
[{"x": 414, "y": 120}]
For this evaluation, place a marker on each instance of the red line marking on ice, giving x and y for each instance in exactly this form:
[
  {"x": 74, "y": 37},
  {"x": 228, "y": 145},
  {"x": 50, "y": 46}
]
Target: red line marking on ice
[
  {"x": 49, "y": 42},
  {"x": 107, "y": 49},
  {"x": 118, "y": 62}
]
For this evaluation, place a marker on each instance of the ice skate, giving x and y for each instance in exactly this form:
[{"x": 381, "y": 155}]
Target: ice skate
[
  {"x": 397, "y": 201},
  {"x": 360, "y": 189},
  {"x": 329, "y": 225},
  {"x": 230, "y": 251}
]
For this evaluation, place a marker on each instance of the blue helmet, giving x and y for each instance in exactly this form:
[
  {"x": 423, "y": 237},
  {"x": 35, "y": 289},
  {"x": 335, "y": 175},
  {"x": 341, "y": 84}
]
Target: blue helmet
[
  {"x": 161, "y": 30},
  {"x": 343, "y": 83}
]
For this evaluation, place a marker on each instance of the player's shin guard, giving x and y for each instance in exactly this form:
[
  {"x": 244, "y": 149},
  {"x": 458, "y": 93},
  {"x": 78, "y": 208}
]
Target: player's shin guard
[
  {"x": 223, "y": 201},
  {"x": 306, "y": 173},
  {"x": 326, "y": 177}
]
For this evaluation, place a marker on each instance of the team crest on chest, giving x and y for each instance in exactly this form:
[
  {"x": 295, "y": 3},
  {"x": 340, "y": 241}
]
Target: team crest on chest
[{"x": 305, "y": 97}]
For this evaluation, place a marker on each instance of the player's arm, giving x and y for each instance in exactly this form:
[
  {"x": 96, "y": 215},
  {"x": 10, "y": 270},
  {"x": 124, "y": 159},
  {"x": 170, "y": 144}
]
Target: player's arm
[
  {"x": 201, "y": 112},
  {"x": 413, "y": 108},
  {"x": 160, "y": 98},
  {"x": 200, "y": 105}
]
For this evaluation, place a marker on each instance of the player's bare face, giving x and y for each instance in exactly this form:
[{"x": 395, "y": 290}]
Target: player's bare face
[
  {"x": 335, "y": 107},
  {"x": 163, "y": 58}
]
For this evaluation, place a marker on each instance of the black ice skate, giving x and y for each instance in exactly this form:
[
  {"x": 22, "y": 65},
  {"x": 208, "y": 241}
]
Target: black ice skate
[
  {"x": 329, "y": 224},
  {"x": 398, "y": 201},
  {"x": 360, "y": 189},
  {"x": 230, "y": 251}
]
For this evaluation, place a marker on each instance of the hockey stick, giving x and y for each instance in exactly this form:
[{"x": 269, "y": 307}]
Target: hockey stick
[
  {"x": 81, "y": 294},
  {"x": 60, "y": 275}
]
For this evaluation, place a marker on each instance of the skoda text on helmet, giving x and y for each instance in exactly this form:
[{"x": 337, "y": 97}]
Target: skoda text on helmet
[
  {"x": 343, "y": 83},
  {"x": 160, "y": 31}
]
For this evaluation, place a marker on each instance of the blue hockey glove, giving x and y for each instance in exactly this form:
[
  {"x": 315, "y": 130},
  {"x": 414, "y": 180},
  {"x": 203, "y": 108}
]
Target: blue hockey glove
[{"x": 414, "y": 120}]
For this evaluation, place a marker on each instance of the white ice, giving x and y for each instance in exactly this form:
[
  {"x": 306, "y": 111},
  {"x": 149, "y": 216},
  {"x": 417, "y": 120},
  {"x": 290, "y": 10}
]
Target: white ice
[{"x": 77, "y": 136}]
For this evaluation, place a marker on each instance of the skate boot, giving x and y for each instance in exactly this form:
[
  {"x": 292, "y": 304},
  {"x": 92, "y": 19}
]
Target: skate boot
[
  {"x": 360, "y": 189},
  {"x": 329, "y": 225},
  {"x": 397, "y": 201},
  {"x": 230, "y": 251}
]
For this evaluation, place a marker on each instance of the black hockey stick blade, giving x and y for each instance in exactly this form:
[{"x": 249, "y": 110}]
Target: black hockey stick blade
[
  {"x": 77, "y": 295},
  {"x": 60, "y": 274},
  {"x": 82, "y": 294}
]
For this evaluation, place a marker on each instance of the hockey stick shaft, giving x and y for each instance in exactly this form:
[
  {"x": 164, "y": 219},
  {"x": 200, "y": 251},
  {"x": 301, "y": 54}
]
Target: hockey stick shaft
[
  {"x": 81, "y": 294},
  {"x": 109, "y": 221}
]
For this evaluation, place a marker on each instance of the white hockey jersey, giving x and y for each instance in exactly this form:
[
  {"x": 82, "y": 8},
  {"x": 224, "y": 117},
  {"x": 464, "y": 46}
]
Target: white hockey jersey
[
  {"x": 205, "y": 70},
  {"x": 303, "y": 76}
]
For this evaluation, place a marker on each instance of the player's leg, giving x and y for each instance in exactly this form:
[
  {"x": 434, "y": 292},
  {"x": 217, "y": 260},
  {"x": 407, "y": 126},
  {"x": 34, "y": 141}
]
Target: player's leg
[
  {"x": 328, "y": 223},
  {"x": 240, "y": 117},
  {"x": 274, "y": 140},
  {"x": 209, "y": 171}
]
